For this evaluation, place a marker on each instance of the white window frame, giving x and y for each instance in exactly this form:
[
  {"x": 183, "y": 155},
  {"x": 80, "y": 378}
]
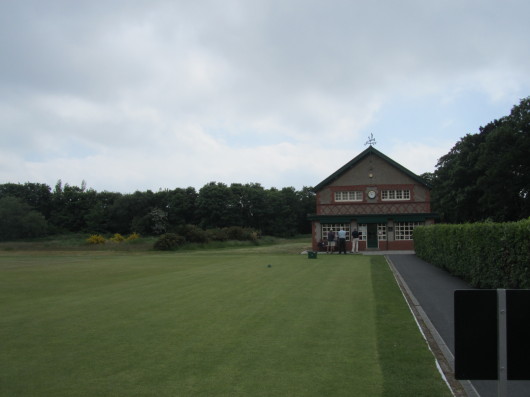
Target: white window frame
[
  {"x": 404, "y": 230},
  {"x": 395, "y": 195},
  {"x": 363, "y": 229},
  {"x": 349, "y": 195},
  {"x": 381, "y": 231},
  {"x": 336, "y": 227}
]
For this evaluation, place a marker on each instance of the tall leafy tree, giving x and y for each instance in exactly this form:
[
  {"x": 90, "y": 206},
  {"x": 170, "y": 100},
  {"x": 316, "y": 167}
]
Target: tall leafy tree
[
  {"x": 180, "y": 205},
  {"x": 487, "y": 175},
  {"x": 37, "y": 195},
  {"x": 216, "y": 206},
  {"x": 455, "y": 192},
  {"x": 250, "y": 203},
  {"x": 306, "y": 205},
  {"x": 70, "y": 206},
  {"x": 129, "y": 210},
  {"x": 20, "y": 220}
]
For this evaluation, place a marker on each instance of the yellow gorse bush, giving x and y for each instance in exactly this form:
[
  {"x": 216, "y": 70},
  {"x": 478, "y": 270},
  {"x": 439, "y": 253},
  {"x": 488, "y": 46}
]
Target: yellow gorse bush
[
  {"x": 96, "y": 239},
  {"x": 117, "y": 238},
  {"x": 133, "y": 236}
]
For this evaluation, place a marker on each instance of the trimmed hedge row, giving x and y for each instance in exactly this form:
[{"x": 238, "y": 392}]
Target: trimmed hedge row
[{"x": 486, "y": 255}]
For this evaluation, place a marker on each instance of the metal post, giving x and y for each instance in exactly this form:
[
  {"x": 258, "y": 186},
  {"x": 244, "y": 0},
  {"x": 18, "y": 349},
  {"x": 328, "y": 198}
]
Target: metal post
[{"x": 502, "y": 345}]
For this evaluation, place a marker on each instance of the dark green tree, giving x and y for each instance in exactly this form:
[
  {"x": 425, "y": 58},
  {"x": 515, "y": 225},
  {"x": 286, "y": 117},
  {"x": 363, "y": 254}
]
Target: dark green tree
[
  {"x": 307, "y": 205},
  {"x": 70, "y": 205},
  {"x": 37, "y": 195},
  {"x": 216, "y": 206},
  {"x": 129, "y": 210},
  {"x": 98, "y": 216},
  {"x": 180, "y": 205},
  {"x": 487, "y": 175},
  {"x": 20, "y": 220},
  {"x": 249, "y": 205}
]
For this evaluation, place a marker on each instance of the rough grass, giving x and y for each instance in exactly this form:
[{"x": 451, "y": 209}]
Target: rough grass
[{"x": 215, "y": 323}]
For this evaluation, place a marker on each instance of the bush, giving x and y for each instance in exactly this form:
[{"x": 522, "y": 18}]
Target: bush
[
  {"x": 168, "y": 242},
  {"x": 96, "y": 239},
  {"x": 193, "y": 234},
  {"x": 487, "y": 255},
  {"x": 241, "y": 234},
  {"x": 217, "y": 234},
  {"x": 117, "y": 238},
  {"x": 132, "y": 237}
]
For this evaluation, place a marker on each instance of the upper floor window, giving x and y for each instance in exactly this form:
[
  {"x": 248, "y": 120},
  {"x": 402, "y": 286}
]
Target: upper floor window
[
  {"x": 395, "y": 194},
  {"x": 351, "y": 195}
]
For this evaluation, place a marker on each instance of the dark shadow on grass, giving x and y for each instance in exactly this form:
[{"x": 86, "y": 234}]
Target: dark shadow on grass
[{"x": 407, "y": 365}]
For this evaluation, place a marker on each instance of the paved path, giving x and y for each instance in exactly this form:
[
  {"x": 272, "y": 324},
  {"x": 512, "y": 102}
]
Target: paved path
[{"x": 431, "y": 290}]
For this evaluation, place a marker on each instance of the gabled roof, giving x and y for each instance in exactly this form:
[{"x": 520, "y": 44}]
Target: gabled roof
[{"x": 370, "y": 150}]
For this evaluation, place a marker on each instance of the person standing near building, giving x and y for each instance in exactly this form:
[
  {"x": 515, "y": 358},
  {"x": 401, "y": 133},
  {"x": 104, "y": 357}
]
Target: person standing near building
[
  {"x": 342, "y": 241},
  {"x": 355, "y": 241},
  {"x": 331, "y": 241}
]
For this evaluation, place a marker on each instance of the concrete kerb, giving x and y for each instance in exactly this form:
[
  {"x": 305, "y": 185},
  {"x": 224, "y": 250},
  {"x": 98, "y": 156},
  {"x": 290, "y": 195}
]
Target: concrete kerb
[{"x": 443, "y": 356}]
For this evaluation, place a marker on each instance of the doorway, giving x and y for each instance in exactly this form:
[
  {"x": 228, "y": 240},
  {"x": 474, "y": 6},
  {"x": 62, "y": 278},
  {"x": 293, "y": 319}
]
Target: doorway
[{"x": 371, "y": 239}]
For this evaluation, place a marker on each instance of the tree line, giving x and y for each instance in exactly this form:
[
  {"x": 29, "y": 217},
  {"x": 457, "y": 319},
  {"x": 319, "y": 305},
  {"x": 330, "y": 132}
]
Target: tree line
[
  {"x": 485, "y": 176},
  {"x": 35, "y": 209}
]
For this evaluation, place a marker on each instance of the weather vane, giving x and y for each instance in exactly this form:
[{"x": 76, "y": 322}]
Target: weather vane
[{"x": 371, "y": 140}]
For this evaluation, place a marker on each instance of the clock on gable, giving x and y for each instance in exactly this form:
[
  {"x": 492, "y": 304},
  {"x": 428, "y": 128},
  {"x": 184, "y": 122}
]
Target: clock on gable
[{"x": 371, "y": 194}]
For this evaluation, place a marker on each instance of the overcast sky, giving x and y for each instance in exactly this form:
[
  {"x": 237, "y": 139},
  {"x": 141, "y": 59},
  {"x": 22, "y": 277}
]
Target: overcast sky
[{"x": 156, "y": 94}]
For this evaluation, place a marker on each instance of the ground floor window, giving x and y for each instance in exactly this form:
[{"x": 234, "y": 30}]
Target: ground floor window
[
  {"x": 336, "y": 227},
  {"x": 363, "y": 231},
  {"x": 403, "y": 230},
  {"x": 381, "y": 231}
]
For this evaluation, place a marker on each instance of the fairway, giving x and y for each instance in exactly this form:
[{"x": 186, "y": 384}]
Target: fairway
[{"x": 213, "y": 323}]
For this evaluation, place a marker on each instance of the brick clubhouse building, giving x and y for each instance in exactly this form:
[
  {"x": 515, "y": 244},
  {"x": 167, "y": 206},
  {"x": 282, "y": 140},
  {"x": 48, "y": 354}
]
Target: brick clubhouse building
[{"x": 378, "y": 197}]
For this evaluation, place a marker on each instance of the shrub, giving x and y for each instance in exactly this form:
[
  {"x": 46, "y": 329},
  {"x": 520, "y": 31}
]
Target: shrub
[
  {"x": 132, "y": 237},
  {"x": 117, "y": 238},
  {"x": 217, "y": 234},
  {"x": 241, "y": 233},
  {"x": 193, "y": 234},
  {"x": 96, "y": 239},
  {"x": 168, "y": 242}
]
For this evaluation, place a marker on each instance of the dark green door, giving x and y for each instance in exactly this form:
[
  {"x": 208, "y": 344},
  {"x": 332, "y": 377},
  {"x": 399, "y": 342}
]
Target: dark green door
[{"x": 372, "y": 235}]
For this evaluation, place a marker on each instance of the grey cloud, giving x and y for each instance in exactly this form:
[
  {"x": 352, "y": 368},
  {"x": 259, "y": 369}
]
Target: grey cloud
[{"x": 139, "y": 77}]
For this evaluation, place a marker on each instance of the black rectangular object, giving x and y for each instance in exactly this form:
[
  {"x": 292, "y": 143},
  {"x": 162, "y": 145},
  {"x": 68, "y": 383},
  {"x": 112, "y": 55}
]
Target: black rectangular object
[
  {"x": 476, "y": 334},
  {"x": 518, "y": 334}
]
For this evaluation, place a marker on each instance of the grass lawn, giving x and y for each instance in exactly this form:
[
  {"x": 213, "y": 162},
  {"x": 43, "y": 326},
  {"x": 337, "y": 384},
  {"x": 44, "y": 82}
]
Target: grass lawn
[{"x": 212, "y": 323}]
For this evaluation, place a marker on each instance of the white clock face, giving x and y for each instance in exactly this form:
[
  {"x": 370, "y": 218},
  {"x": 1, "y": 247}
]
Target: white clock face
[{"x": 371, "y": 194}]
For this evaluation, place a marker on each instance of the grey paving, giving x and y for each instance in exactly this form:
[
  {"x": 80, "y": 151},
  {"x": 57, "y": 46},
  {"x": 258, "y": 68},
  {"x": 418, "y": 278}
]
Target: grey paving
[{"x": 433, "y": 289}]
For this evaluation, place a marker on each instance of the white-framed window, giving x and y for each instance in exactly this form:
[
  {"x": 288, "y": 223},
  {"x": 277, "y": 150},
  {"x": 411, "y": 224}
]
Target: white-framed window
[
  {"x": 381, "y": 231},
  {"x": 350, "y": 195},
  {"x": 403, "y": 230},
  {"x": 326, "y": 227},
  {"x": 398, "y": 194},
  {"x": 363, "y": 230}
]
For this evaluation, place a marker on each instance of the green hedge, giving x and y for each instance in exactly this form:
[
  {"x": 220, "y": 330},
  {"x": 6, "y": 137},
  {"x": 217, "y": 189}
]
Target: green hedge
[{"x": 487, "y": 255}]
